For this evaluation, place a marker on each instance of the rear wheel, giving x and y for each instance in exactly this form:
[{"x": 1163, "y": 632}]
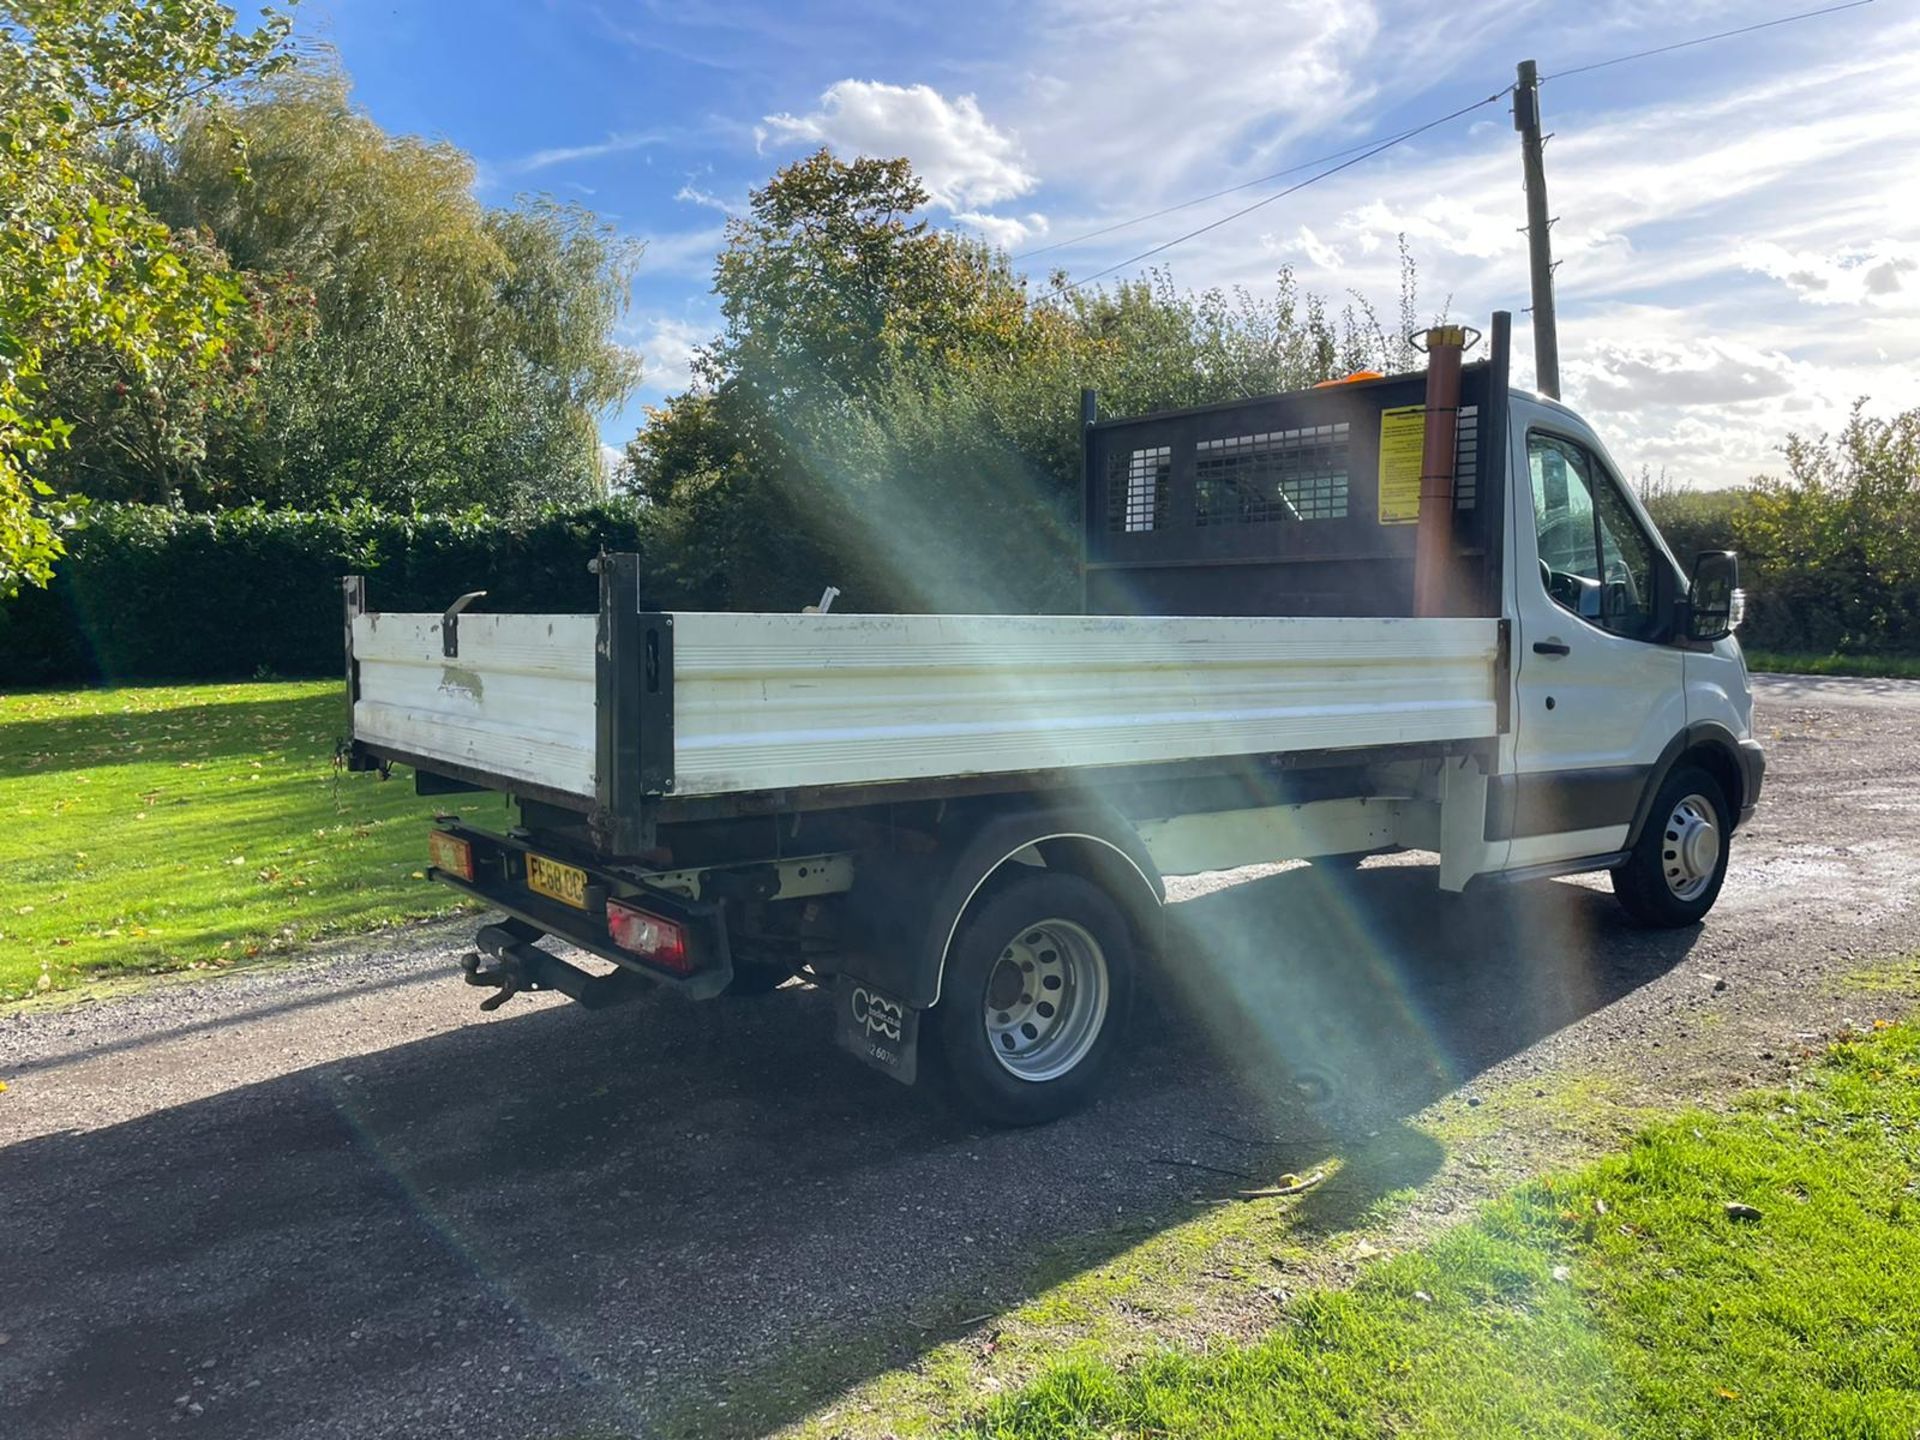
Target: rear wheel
[
  {"x": 1675, "y": 871},
  {"x": 1036, "y": 991}
]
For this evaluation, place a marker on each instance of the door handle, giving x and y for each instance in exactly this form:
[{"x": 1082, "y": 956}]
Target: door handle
[{"x": 1551, "y": 647}]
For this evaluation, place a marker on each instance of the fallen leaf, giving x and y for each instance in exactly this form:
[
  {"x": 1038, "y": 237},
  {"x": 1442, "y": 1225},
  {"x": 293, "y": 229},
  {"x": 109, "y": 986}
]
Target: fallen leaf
[
  {"x": 1293, "y": 1188},
  {"x": 1726, "y": 1394}
]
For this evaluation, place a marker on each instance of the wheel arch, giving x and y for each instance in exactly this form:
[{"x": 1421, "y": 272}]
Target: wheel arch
[
  {"x": 1712, "y": 747},
  {"x": 926, "y": 897}
]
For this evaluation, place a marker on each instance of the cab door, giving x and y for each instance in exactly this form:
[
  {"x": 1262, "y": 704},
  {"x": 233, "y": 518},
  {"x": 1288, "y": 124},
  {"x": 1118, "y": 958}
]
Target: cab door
[{"x": 1598, "y": 679}]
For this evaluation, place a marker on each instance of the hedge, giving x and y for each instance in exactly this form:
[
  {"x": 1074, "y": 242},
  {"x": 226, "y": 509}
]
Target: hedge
[{"x": 148, "y": 593}]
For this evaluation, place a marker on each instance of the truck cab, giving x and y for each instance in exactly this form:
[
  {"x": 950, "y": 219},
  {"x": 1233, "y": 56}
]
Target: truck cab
[
  {"x": 1610, "y": 685},
  {"x": 1417, "y": 612}
]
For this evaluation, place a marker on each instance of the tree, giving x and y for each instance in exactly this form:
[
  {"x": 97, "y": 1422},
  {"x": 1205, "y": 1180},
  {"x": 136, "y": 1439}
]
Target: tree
[
  {"x": 82, "y": 261},
  {"x": 888, "y": 410},
  {"x": 1834, "y": 546},
  {"x": 834, "y": 279},
  {"x": 834, "y": 290},
  {"x": 146, "y": 427},
  {"x": 401, "y": 343}
]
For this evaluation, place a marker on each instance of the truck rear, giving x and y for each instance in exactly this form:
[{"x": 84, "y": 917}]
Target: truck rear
[{"x": 1310, "y": 629}]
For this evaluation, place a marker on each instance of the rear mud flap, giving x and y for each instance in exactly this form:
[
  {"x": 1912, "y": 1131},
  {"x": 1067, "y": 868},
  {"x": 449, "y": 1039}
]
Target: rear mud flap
[{"x": 877, "y": 1027}]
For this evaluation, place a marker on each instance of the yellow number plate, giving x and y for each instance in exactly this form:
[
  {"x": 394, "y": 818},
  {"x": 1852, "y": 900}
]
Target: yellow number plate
[{"x": 564, "y": 883}]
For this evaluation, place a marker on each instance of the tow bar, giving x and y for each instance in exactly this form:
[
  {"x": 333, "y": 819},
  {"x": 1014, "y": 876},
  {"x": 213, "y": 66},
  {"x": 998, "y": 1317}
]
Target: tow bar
[{"x": 519, "y": 964}]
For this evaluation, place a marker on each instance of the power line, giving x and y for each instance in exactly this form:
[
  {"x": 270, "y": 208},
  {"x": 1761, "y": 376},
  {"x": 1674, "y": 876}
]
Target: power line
[
  {"x": 1706, "y": 39},
  {"x": 1202, "y": 199},
  {"x": 1371, "y": 148},
  {"x": 1368, "y": 154}
]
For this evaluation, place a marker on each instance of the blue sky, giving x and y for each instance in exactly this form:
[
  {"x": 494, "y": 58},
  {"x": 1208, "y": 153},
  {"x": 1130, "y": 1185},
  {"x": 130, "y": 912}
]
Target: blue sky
[{"x": 1740, "y": 223}]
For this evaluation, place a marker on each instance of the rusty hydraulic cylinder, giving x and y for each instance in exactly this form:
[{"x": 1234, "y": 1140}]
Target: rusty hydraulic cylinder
[{"x": 1434, "y": 590}]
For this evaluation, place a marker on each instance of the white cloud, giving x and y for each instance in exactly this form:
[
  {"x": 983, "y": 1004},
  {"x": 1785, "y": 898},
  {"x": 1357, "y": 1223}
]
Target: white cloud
[
  {"x": 692, "y": 195},
  {"x": 1317, "y": 250},
  {"x": 1713, "y": 294},
  {"x": 1874, "y": 275},
  {"x": 1739, "y": 250},
  {"x": 1441, "y": 223},
  {"x": 1144, "y": 100},
  {"x": 1637, "y": 375},
  {"x": 666, "y": 345},
  {"x": 682, "y": 254},
  {"x": 1004, "y": 231},
  {"x": 964, "y": 160},
  {"x": 568, "y": 154},
  {"x": 1710, "y": 395}
]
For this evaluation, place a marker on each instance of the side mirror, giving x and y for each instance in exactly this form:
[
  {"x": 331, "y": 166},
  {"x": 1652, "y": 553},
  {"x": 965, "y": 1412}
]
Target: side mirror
[{"x": 1714, "y": 598}]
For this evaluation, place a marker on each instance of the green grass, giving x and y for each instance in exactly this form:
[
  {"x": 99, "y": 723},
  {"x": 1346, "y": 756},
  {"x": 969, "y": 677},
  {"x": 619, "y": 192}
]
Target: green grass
[
  {"x": 1622, "y": 1300},
  {"x": 1894, "y": 667},
  {"x": 1123, "y": 1295},
  {"x": 168, "y": 827},
  {"x": 1896, "y": 977}
]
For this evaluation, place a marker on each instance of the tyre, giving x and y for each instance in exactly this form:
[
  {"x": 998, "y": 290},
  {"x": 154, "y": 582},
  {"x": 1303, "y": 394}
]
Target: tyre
[
  {"x": 1675, "y": 871},
  {"x": 1036, "y": 993}
]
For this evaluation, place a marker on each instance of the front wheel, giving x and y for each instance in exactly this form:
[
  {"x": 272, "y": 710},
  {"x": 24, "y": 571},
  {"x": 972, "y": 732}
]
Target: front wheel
[
  {"x": 1676, "y": 868},
  {"x": 1036, "y": 992}
]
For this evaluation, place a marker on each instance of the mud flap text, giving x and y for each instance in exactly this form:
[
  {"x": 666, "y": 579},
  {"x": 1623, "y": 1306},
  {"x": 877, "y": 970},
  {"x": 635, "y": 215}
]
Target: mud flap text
[{"x": 877, "y": 1027}]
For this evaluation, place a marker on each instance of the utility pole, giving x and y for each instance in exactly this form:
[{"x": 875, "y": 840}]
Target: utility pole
[{"x": 1546, "y": 336}]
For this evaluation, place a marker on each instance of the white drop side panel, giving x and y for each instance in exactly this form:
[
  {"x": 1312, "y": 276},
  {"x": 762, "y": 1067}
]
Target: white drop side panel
[
  {"x": 769, "y": 702},
  {"x": 517, "y": 702},
  {"x": 778, "y": 702}
]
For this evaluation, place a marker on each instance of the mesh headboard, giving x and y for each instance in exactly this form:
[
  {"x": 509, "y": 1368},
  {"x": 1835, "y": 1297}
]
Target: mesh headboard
[{"x": 1273, "y": 506}]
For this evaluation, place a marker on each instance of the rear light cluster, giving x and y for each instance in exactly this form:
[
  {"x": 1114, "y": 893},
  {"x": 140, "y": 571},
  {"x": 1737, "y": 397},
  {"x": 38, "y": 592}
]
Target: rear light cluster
[
  {"x": 451, "y": 854},
  {"x": 653, "y": 938},
  {"x": 650, "y": 937}
]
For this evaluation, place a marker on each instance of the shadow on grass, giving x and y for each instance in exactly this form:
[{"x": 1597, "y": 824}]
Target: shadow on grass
[
  {"x": 676, "y": 1219},
  {"x": 206, "y": 731}
]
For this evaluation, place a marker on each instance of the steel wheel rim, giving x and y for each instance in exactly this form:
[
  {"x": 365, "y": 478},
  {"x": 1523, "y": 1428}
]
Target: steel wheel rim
[
  {"x": 1690, "y": 848},
  {"x": 1046, "y": 1000}
]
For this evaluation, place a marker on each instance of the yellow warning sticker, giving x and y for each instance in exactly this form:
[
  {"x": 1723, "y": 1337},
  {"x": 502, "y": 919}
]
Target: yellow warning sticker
[{"x": 1403, "y": 436}]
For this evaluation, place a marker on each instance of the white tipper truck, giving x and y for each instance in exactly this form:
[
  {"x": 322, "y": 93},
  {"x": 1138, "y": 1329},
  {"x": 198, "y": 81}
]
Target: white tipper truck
[{"x": 1418, "y": 612}]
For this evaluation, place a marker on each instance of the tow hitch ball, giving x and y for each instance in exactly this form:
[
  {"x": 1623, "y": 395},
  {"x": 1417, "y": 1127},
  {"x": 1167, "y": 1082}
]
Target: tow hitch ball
[{"x": 505, "y": 976}]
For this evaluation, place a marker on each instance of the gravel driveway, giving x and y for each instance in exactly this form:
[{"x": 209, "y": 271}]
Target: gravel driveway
[{"x": 336, "y": 1200}]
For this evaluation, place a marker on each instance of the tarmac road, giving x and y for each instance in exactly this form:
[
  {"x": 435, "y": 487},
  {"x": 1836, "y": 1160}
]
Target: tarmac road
[{"x": 336, "y": 1200}]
